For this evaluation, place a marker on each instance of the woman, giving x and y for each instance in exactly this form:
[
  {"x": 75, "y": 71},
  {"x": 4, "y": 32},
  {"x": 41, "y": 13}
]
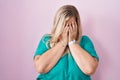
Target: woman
[{"x": 66, "y": 54}]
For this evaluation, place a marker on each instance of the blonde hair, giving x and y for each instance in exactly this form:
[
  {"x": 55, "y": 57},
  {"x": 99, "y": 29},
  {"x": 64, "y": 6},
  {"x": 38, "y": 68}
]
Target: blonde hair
[{"x": 62, "y": 15}]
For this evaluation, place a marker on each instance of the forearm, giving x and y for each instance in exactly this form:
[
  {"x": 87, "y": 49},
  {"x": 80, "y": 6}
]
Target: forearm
[
  {"x": 46, "y": 61},
  {"x": 84, "y": 60}
]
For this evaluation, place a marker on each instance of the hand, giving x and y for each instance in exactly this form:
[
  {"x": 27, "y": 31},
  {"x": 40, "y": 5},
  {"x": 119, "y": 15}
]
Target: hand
[
  {"x": 72, "y": 31},
  {"x": 64, "y": 35}
]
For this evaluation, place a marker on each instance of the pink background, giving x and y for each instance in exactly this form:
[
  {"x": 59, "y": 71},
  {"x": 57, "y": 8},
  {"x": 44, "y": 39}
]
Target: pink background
[{"x": 23, "y": 22}]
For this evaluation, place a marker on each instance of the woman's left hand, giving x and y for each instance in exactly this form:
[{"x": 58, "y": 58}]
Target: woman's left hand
[{"x": 72, "y": 31}]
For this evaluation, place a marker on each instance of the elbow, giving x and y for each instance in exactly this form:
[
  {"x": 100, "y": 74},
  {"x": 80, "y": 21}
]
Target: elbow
[
  {"x": 42, "y": 70},
  {"x": 89, "y": 71},
  {"x": 39, "y": 67}
]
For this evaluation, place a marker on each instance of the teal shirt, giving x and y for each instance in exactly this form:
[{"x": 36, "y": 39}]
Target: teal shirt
[{"x": 66, "y": 68}]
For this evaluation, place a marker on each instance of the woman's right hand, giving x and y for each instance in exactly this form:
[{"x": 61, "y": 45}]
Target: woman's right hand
[{"x": 64, "y": 35}]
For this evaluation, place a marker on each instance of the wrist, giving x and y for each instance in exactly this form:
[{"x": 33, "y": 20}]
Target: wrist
[
  {"x": 63, "y": 43},
  {"x": 72, "y": 42}
]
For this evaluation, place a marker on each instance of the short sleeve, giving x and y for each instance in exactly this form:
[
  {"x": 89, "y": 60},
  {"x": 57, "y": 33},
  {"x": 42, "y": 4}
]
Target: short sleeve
[
  {"x": 43, "y": 45},
  {"x": 89, "y": 47}
]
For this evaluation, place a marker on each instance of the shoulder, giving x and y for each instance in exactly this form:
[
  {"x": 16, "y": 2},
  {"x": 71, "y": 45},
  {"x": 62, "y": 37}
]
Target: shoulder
[
  {"x": 85, "y": 38},
  {"x": 46, "y": 37}
]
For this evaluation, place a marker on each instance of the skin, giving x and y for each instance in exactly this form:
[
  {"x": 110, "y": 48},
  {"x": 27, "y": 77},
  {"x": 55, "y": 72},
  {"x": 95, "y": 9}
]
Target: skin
[
  {"x": 87, "y": 63},
  {"x": 84, "y": 60},
  {"x": 45, "y": 62}
]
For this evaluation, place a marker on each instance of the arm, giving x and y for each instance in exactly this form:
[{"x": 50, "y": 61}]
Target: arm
[
  {"x": 84, "y": 60},
  {"x": 46, "y": 61}
]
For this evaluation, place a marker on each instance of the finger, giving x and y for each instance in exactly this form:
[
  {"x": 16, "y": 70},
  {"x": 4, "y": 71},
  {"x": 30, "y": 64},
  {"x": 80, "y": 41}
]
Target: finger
[
  {"x": 67, "y": 30},
  {"x": 69, "y": 35},
  {"x": 75, "y": 26},
  {"x": 64, "y": 30},
  {"x": 70, "y": 27}
]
